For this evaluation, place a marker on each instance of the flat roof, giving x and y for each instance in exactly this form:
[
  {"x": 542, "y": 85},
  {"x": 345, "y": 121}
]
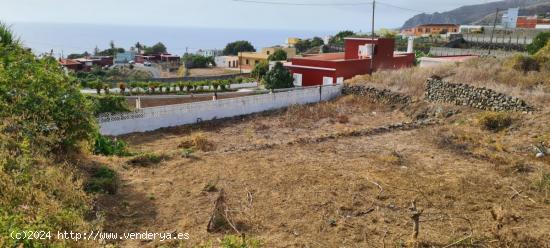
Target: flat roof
[
  {"x": 324, "y": 56},
  {"x": 68, "y": 62},
  {"x": 359, "y": 38},
  {"x": 311, "y": 67}
]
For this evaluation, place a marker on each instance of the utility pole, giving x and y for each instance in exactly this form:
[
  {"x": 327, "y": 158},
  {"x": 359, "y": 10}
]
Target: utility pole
[
  {"x": 372, "y": 39},
  {"x": 493, "y": 32}
]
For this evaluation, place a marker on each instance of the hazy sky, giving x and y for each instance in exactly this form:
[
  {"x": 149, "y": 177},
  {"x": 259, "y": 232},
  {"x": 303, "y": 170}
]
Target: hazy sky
[{"x": 221, "y": 13}]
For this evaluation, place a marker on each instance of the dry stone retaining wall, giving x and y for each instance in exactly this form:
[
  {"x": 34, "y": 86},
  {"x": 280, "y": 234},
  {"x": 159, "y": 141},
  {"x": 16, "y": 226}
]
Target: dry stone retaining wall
[
  {"x": 379, "y": 95},
  {"x": 467, "y": 95}
]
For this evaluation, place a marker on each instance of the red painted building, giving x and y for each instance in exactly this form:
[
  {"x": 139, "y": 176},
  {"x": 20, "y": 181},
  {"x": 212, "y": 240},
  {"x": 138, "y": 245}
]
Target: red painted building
[
  {"x": 86, "y": 63},
  {"x": 531, "y": 21},
  {"x": 333, "y": 68},
  {"x": 526, "y": 22},
  {"x": 71, "y": 64}
]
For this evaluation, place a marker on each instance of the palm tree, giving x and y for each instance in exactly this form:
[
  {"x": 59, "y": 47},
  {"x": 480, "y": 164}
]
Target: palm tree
[
  {"x": 138, "y": 47},
  {"x": 113, "y": 48}
]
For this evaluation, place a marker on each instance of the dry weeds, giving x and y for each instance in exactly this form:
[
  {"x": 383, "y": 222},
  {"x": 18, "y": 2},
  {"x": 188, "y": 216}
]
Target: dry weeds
[
  {"x": 533, "y": 86},
  {"x": 475, "y": 187}
]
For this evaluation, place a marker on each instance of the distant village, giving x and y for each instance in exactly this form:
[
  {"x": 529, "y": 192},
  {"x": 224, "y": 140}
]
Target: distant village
[{"x": 333, "y": 59}]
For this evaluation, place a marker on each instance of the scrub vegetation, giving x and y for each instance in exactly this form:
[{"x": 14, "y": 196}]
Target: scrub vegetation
[{"x": 45, "y": 125}]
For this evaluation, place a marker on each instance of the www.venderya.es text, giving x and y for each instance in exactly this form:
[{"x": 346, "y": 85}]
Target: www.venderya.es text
[{"x": 96, "y": 235}]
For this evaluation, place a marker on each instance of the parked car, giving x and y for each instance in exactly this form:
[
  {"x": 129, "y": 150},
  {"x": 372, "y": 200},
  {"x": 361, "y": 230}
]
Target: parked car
[{"x": 147, "y": 63}]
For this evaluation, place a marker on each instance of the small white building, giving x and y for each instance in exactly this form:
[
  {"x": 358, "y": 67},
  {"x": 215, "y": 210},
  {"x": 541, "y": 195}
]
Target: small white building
[
  {"x": 542, "y": 26},
  {"x": 227, "y": 61},
  {"x": 209, "y": 52}
]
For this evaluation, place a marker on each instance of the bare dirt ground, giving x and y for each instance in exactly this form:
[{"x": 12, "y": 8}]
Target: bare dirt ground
[
  {"x": 213, "y": 71},
  {"x": 475, "y": 188}
]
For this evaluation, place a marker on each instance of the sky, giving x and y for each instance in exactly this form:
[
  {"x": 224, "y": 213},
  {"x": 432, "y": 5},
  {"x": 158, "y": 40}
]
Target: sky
[{"x": 224, "y": 13}]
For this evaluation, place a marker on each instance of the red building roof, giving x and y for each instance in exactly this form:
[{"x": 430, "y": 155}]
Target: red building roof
[{"x": 68, "y": 62}]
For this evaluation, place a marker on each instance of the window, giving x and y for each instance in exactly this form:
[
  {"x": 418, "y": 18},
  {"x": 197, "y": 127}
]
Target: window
[
  {"x": 247, "y": 62},
  {"x": 328, "y": 81},
  {"x": 267, "y": 52}
]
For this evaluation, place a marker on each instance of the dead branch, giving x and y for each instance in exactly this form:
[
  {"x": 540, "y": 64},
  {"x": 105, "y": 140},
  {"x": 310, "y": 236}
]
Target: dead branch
[
  {"x": 249, "y": 196},
  {"x": 220, "y": 216},
  {"x": 378, "y": 185},
  {"x": 466, "y": 237},
  {"x": 415, "y": 216},
  {"x": 518, "y": 193},
  {"x": 384, "y": 238}
]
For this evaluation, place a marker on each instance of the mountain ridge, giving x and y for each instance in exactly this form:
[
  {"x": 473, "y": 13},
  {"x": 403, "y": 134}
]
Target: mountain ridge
[{"x": 478, "y": 13}]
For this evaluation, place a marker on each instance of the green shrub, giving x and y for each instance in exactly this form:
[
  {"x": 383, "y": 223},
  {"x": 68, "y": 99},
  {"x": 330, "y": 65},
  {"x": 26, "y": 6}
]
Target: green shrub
[
  {"x": 210, "y": 187},
  {"x": 232, "y": 241},
  {"x": 147, "y": 159},
  {"x": 278, "y": 55},
  {"x": 538, "y": 42},
  {"x": 542, "y": 184},
  {"x": 43, "y": 116},
  {"x": 110, "y": 147},
  {"x": 108, "y": 104},
  {"x": 197, "y": 61},
  {"x": 495, "y": 121},
  {"x": 104, "y": 180},
  {"x": 260, "y": 70},
  {"x": 522, "y": 63},
  {"x": 278, "y": 78},
  {"x": 187, "y": 152},
  {"x": 543, "y": 57}
]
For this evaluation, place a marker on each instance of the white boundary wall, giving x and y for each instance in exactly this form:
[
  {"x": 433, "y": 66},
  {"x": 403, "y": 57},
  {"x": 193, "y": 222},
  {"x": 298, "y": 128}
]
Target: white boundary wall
[{"x": 149, "y": 119}]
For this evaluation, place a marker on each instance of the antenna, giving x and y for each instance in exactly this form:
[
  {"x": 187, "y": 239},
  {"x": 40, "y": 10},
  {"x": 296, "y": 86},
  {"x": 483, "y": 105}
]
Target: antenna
[
  {"x": 372, "y": 39},
  {"x": 493, "y": 32}
]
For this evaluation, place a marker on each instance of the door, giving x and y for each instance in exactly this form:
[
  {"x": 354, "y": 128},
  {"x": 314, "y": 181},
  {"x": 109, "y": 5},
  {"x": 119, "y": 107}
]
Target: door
[{"x": 297, "y": 79}]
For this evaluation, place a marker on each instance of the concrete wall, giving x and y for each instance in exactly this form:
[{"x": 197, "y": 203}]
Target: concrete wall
[
  {"x": 149, "y": 119},
  {"x": 445, "y": 51}
]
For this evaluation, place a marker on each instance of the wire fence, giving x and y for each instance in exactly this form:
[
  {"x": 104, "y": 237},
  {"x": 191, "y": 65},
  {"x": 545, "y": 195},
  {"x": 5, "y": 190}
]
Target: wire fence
[{"x": 446, "y": 51}]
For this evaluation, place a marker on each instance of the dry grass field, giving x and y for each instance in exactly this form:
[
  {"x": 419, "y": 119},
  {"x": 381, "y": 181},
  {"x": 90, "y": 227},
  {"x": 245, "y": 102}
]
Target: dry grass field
[{"x": 471, "y": 187}]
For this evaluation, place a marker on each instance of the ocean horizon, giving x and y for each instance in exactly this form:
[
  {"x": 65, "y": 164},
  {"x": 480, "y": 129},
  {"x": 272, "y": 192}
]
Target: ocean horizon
[{"x": 65, "y": 39}]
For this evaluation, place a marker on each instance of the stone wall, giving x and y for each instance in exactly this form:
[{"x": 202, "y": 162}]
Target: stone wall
[
  {"x": 467, "y": 95},
  {"x": 375, "y": 94}
]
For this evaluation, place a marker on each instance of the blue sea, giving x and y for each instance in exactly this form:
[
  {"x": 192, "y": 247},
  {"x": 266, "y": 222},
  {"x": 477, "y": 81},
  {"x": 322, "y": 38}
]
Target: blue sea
[{"x": 78, "y": 38}]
